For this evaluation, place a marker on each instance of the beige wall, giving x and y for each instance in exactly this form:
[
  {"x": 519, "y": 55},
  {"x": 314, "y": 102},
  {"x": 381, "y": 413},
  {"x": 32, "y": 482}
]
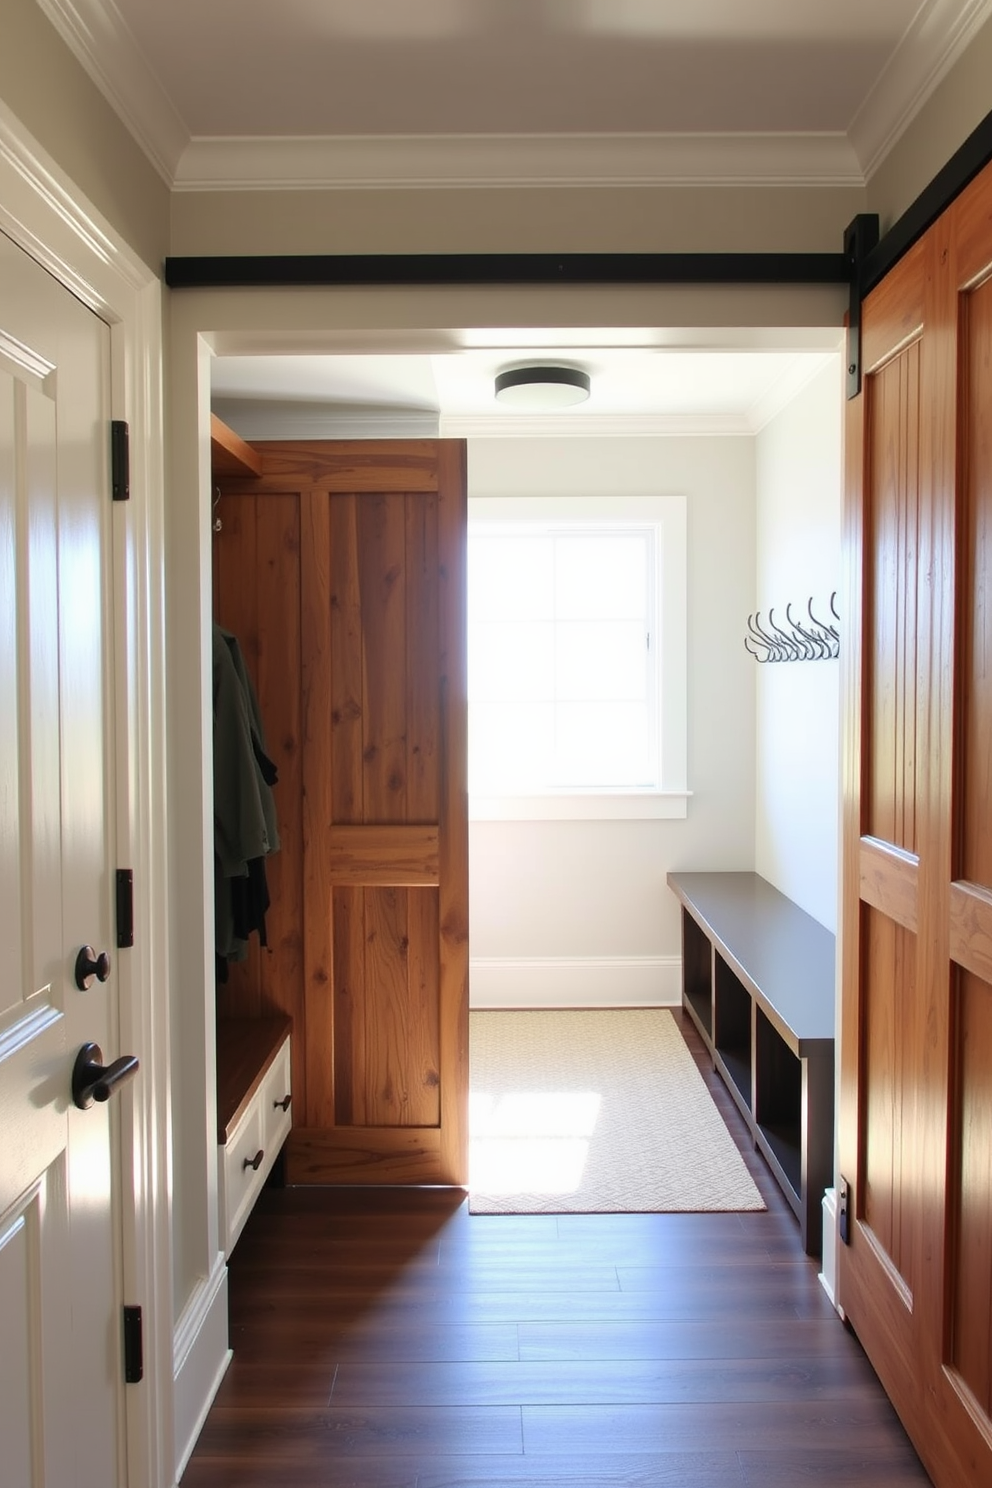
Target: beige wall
[
  {"x": 956, "y": 107},
  {"x": 43, "y": 84},
  {"x": 547, "y": 220}
]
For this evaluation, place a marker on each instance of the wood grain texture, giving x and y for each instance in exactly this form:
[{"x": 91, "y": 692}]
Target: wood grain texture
[
  {"x": 422, "y": 622},
  {"x": 343, "y": 761},
  {"x": 453, "y": 800},
  {"x": 974, "y": 783},
  {"x": 392, "y": 855},
  {"x": 366, "y": 1350},
  {"x": 971, "y": 928},
  {"x": 384, "y": 655},
  {"x": 889, "y": 1198},
  {"x": 246, "y": 1049},
  {"x": 895, "y": 311},
  {"x": 349, "y": 1090},
  {"x": 356, "y": 1154},
  {"x": 891, "y": 635},
  {"x": 315, "y": 668},
  {"x": 229, "y": 454},
  {"x": 351, "y": 465},
  {"x": 279, "y": 682},
  {"x": 971, "y": 1191},
  {"x": 331, "y": 569},
  {"x": 879, "y": 733},
  {"x": 889, "y": 881},
  {"x": 920, "y": 1036}
]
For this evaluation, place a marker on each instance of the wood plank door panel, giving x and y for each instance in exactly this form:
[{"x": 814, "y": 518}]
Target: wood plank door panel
[
  {"x": 381, "y": 1006},
  {"x": 916, "y": 1080},
  {"x": 962, "y": 1322}
]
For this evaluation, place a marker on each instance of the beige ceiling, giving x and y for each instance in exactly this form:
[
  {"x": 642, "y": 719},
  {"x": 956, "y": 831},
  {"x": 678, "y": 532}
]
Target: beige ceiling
[
  {"x": 364, "y": 91},
  {"x": 228, "y": 94}
]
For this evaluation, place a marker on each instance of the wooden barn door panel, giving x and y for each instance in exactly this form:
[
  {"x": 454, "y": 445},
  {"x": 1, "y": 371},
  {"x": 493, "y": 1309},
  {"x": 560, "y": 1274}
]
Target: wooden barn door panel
[
  {"x": 366, "y": 679},
  {"x": 916, "y": 1072},
  {"x": 963, "y": 1315}
]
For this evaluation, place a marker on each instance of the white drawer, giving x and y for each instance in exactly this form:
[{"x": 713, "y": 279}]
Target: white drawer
[
  {"x": 239, "y": 1179},
  {"x": 252, "y": 1147},
  {"x": 276, "y": 1100}
]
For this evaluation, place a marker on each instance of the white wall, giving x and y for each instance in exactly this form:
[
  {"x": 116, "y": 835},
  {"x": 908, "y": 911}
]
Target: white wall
[
  {"x": 798, "y": 498},
  {"x": 579, "y": 912}
]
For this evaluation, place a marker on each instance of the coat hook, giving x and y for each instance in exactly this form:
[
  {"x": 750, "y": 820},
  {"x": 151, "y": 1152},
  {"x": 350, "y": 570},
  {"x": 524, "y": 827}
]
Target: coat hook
[
  {"x": 817, "y": 641},
  {"x": 218, "y": 525}
]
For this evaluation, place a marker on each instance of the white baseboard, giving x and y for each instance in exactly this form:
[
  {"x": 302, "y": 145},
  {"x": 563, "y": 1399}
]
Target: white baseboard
[
  {"x": 200, "y": 1359},
  {"x": 575, "y": 981},
  {"x": 828, "y": 1276}
]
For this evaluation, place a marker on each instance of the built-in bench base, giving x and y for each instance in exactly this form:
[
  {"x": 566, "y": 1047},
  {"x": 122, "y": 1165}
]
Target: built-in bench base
[{"x": 758, "y": 982}]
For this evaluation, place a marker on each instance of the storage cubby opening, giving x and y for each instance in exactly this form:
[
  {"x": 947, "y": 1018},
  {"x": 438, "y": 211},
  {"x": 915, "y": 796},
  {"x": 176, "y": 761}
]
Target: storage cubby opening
[
  {"x": 732, "y": 1027},
  {"x": 778, "y": 1106},
  {"x": 697, "y": 977}
]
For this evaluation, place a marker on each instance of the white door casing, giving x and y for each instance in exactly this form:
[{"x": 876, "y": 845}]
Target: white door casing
[{"x": 61, "y": 1420}]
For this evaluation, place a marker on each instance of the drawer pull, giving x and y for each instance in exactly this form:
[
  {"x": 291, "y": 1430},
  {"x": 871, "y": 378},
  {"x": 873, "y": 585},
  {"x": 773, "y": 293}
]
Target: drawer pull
[
  {"x": 282, "y": 1105},
  {"x": 254, "y": 1162}
]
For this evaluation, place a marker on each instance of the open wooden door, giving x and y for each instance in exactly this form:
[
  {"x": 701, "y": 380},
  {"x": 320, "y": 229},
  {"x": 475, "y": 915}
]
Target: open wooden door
[
  {"x": 341, "y": 568},
  {"x": 916, "y": 1061}
]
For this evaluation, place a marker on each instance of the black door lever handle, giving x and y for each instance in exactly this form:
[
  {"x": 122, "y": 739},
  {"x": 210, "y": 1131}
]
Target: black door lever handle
[{"x": 91, "y": 1081}]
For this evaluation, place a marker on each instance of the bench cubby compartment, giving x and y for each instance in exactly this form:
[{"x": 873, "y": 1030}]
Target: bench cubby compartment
[
  {"x": 758, "y": 982},
  {"x": 697, "y": 974},
  {"x": 732, "y": 1032}
]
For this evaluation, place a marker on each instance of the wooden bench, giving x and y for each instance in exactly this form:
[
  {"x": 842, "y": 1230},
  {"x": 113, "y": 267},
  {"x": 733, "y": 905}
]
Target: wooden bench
[{"x": 758, "y": 982}]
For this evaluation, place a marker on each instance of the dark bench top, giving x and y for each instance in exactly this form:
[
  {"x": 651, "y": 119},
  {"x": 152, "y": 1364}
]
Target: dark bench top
[{"x": 782, "y": 955}]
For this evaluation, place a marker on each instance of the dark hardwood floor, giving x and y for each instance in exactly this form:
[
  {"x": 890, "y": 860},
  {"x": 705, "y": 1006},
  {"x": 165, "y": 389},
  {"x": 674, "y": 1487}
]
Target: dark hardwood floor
[{"x": 388, "y": 1339}]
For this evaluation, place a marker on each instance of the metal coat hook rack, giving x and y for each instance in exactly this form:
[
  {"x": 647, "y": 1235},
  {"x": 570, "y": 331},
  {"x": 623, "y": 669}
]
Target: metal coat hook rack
[{"x": 808, "y": 640}]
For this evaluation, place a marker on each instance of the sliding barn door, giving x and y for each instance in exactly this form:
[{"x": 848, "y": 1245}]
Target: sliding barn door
[
  {"x": 916, "y": 1096},
  {"x": 353, "y": 614}
]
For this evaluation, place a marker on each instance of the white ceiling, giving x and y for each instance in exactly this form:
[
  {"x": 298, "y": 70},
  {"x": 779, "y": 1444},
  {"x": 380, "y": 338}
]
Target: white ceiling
[{"x": 634, "y": 391}]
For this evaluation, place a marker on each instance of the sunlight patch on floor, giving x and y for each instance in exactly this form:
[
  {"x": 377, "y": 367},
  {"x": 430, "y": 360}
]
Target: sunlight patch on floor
[{"x": 530, "y": 1141}]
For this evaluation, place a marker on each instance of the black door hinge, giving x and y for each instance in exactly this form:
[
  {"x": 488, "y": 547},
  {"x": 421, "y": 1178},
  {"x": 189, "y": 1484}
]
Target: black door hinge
[
  {"x": 125, "y": 907},
  {"x": 120, "y": 461},
  {"x": 134, "y": 1349},
  {"x": 844, "y": 1211}
]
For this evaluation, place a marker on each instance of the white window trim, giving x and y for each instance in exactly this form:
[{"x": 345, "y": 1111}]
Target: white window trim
[{"x": 670, "y": 800}]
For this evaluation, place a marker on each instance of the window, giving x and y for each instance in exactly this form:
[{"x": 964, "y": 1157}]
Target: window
[{"x": 576, "y": 639}]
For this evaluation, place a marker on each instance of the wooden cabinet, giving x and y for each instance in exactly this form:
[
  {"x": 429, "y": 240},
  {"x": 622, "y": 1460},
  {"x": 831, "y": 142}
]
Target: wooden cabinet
[
  {"x": 758, "y": 982},
  {"x": 254, "y": 1113}
]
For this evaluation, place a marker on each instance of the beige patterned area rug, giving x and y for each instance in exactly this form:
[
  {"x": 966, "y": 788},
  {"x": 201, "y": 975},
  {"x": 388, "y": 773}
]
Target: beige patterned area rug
[{"x": 596, "y": 1111}]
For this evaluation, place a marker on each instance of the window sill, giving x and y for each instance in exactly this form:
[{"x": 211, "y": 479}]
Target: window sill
[{"x": 617, "y": 805}]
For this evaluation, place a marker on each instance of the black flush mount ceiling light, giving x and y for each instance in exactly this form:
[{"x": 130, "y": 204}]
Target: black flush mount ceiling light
[{"x": 541, "y": 388}]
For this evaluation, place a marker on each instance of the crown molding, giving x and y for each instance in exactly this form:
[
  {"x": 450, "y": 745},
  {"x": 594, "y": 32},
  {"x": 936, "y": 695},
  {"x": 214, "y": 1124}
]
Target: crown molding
[
  {"x": 275, "y": 418},
  {"x": 377, "y": 162},
  {"x": 79, "y": 227},
  {"x": 97, "y": 36},
  {"x": 939, "y": 33}
]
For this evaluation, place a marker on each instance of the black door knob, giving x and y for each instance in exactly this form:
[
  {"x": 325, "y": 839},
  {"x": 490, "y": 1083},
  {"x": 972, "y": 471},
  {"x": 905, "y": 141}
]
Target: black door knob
[
  {"x": 91, "y": 1081},
  {"x": 90, "y": 965}
]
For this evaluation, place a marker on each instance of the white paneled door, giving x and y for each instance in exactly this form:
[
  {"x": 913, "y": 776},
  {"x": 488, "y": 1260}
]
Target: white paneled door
[{"x": 61, "y": 1417}]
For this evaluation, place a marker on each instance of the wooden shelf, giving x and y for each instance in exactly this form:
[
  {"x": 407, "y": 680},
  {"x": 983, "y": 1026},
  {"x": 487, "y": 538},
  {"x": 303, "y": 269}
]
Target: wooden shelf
[
  {"x": 246, "y": 1050},
  {"x": 229, "y": 454},
  {"x": 758, "y": 982}
]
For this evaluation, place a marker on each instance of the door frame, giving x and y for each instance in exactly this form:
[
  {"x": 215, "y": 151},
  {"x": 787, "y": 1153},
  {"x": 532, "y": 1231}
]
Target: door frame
[
  {"x": 43, "y": 212},
  {"x": 205, "y": 323}
]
